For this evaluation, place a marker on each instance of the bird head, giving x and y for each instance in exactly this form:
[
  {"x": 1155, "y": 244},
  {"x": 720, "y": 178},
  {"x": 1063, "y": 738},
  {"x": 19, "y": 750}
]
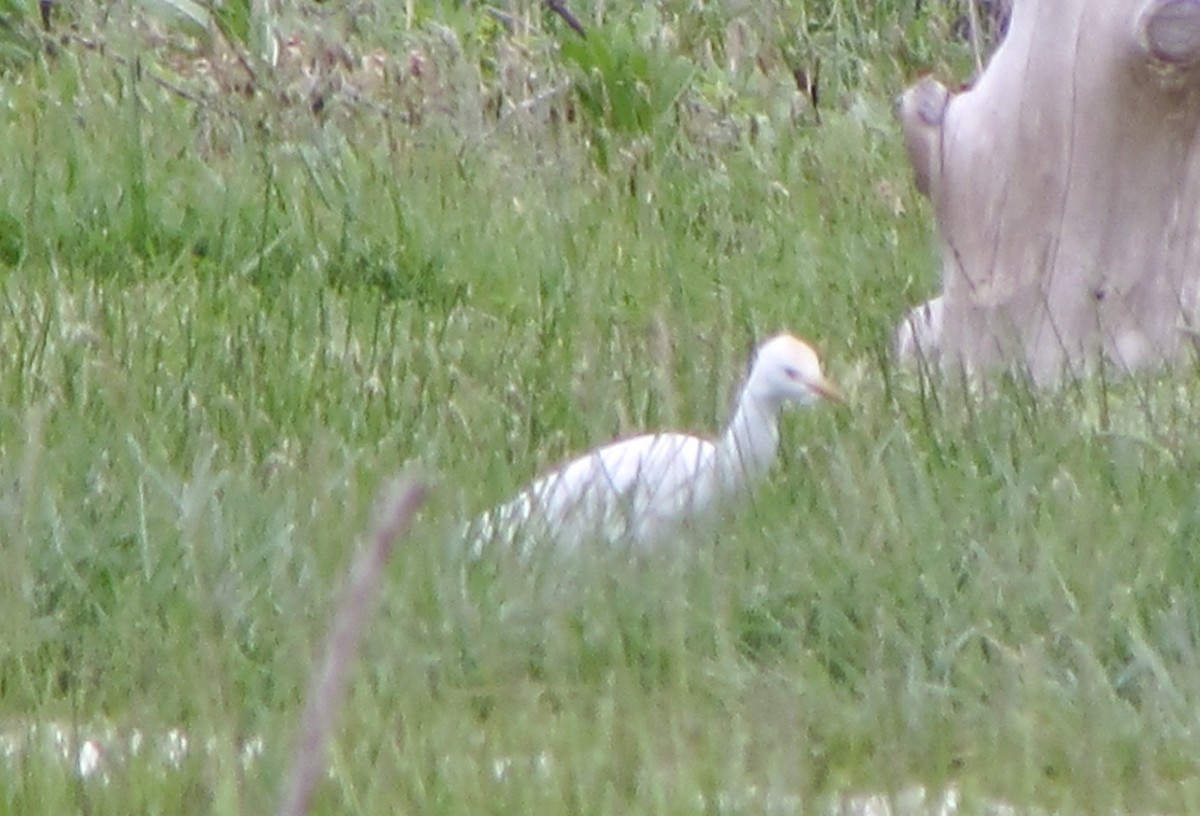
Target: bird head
[{"x": 786, "y": 369}]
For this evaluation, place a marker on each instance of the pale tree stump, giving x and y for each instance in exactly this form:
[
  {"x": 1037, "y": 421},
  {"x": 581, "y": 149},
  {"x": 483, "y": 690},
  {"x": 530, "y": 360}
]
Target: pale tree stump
[{"x": 1066, "y": 188}]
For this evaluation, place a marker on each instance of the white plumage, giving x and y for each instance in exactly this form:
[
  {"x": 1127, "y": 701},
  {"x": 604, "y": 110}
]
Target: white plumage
[{"x": 646, "y": 489}]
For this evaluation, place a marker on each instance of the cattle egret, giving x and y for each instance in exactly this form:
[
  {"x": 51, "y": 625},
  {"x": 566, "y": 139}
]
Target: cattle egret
[{"x": 646, "y": 489}]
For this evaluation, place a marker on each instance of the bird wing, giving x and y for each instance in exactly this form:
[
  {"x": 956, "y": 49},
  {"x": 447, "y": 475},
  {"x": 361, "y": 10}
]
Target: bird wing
[{"x": 635, "y": 490}]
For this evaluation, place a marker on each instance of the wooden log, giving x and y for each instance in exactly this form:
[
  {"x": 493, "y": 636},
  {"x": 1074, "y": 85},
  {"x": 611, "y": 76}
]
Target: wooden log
[{"x": 1066, "y": 189}]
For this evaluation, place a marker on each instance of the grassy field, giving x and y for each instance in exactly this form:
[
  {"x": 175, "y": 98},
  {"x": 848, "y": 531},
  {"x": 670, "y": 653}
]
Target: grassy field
[{"x": 462, "y": 243}]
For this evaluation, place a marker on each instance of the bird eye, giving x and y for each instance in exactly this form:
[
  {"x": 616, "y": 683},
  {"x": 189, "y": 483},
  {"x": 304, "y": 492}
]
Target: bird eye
[{"x": 791, "y": 373}]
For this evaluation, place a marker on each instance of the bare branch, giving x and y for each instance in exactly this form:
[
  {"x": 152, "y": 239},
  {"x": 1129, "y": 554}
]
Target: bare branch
[
  {"x": 328, "y": 683},
  {"x": 560, "y": 8}
]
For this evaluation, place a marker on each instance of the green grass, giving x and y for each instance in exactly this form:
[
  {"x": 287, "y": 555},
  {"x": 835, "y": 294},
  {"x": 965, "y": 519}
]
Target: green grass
[{"x": 227, "y": 323}]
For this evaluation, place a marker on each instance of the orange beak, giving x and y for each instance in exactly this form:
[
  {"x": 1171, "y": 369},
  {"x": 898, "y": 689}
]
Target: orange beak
[{"x": 828, "y": 390}]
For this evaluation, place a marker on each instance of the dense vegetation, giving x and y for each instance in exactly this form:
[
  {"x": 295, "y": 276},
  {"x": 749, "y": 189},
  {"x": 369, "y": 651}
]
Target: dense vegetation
[{"x": 257, "y": 262}]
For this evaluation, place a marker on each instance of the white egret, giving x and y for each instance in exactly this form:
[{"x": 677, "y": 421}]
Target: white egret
[{"x": 646, "y": 489}]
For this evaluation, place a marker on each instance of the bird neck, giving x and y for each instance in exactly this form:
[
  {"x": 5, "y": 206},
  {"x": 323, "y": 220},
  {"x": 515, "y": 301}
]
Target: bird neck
[{"x": 750, "y": 444}]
